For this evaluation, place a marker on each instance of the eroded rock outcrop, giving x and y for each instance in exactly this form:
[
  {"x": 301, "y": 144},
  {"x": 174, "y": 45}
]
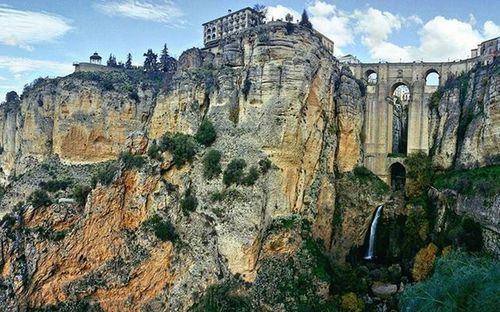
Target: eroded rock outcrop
[
  {"x": 464, "y": 122},
  {"x": 268, "y": 96}
]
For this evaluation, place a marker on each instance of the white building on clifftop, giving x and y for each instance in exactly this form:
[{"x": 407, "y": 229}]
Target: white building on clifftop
[{"x": 233, "y": 22}]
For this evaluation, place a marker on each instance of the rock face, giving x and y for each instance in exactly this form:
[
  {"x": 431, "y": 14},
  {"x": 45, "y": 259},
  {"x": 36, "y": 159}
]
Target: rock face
[
  {"x": 464, "y": 123},
  {"x": 280, "y": 96}
]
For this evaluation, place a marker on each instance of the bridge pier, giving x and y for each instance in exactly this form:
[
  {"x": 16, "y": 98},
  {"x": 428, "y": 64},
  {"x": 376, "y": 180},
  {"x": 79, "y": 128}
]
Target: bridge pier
[{"x": 382, "y": 79}]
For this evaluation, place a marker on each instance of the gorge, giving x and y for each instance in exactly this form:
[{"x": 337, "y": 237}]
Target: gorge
[{"x": 242, "y": 181}]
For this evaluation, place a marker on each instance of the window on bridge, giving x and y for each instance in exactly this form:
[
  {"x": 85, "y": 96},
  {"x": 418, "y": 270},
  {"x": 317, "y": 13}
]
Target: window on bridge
[
  {"x": 398, "y": 176},
  {"x": 371, "y": 77},
  {"x": 432, "y": 78},
  {"x": 400, "y": 100}
]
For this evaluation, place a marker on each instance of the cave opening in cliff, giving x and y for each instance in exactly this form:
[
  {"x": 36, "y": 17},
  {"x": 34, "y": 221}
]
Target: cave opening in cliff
[
  {"x": 400, "y": 101},
  {"x": 398, "y": 176}
]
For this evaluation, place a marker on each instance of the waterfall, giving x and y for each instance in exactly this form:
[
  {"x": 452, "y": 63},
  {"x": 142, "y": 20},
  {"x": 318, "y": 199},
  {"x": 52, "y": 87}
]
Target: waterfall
[{"x": 370, "y": 252}]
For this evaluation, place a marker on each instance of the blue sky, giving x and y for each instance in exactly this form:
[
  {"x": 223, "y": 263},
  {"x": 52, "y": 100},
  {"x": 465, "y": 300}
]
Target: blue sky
[{"x": 44, "y": 37}]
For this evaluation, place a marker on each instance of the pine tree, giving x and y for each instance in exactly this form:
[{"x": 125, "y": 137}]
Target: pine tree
[
  {"x": 112, "y": 61},
  {"x": 128, "y": 63},
  {"x": 150, "y": 63},
  {"x": 304, "y": 21},
  {"x": 164, "y": 59}
]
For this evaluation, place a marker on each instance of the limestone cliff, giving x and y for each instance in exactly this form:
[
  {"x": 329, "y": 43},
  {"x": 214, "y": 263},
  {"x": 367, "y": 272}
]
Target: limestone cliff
[
  {"x": 464, "y": 120},
  {"x": 270, "y": 93}
]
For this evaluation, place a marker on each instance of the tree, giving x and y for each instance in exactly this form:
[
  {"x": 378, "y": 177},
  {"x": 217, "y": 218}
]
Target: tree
[
  {"x": 164, "y": 59},
  {"x": 128, "y": 63},
  {"x": 11, "y": 96},
  {"x": 150, "y": 63},
  {"x": 304, "y": 21},
  {"x": 112, "y": 61},
  {"x": 206, "y": 134},
  {"x": 259, "y": 7},
  {"x": 289, "y": 18}
]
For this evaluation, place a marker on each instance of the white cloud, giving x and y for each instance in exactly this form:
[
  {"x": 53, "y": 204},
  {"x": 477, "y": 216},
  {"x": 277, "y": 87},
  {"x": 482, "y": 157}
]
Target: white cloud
[
  {"x": 25, "y": 28},
  {"x": 440, "y": 39},
  {"x": 443, "y": 39},
  {"x": 279, "y": 12},
  {"x": 165, "y": 11},
  {"x": 376, "y": 26},
  {"x": 19, "y": 66},
  {"x": 491, "y": 30},
  {"x": 333, "y": 23},
  {"x": 437, "y": 39},
  {"x": 415, "y": 19}
]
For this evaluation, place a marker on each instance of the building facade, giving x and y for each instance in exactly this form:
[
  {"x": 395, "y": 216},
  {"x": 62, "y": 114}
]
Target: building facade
[
  {"x": 487, "y": 50},
  {"x": 233, "y": 22}
]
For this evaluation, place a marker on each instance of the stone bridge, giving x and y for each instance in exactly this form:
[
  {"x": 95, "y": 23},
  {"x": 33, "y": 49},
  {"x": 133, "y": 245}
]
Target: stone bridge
[{"x": 379, "y": 132}]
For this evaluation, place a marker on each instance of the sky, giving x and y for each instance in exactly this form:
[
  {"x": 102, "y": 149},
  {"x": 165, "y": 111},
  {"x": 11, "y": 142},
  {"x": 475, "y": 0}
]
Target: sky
[{"x": 40, "y": 38}]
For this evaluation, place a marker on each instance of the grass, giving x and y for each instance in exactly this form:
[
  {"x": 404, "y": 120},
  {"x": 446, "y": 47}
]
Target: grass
[
  {"x": 460, "y": 282},
  {"x": 479, "y": 181},
  {"x": 365, "y": 176}
]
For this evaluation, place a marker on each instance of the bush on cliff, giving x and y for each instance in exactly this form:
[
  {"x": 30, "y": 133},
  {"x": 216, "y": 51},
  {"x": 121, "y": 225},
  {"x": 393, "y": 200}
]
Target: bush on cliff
[
  {"x": 265, "y": 164},
  {"x": 460, "y": 282},
  {"x": 419, "y": 170},
  {"x": 223, "y": 297},
  {"x": 251, "y": 176},
  {"x": 181, "y": 146},
  {"x": 39, "y": 198},
  {"x": 211, "y": 164},
  {"x": 206, "y": 134},
  {"x": 189, "y": 202},
  {"x": 234, "y": 172},
  {"x": 164, "y": 230},
  {"x": 80, "y": 194},
  {"x": 105, "y": 174},
  {"x": 55, "y": 185},
  {"x": 130, "y": 161},
  {"x": 154, "y": 151}
]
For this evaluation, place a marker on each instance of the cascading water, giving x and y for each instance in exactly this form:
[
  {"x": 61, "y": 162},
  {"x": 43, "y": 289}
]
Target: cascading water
[{"x": 370, "y": 252}]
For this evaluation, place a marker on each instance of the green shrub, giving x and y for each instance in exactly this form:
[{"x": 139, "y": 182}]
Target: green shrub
[
  {"x": 130, "y": 161},
  {"x": 181, "y": 146},
  {"x": 106, "y": 174},
  {"x": 55, "y": 185},
  {"x": 206, "y": 133},
  {"x": 39, "y": 198},
  {"x": 211, "y": 164},
  {"x": 164, "y": 230},
  {"x": 251, "y": 176},
  {"x": 234, "y": 172},
  {"x": 80, "y": 194},
  {"x": 223, "y": 298},
  {"x": 479, "y": 181},
  {"x": 419, "y": 169},
  {"x": 435, "y": 98},
  {"x": 365, "y": 176},
  {"x": 189, "y": 202},
  {"x": 265, "y": 164},
  {"x": 154, "y": 151},
  {"x": 460, "y": 282}
]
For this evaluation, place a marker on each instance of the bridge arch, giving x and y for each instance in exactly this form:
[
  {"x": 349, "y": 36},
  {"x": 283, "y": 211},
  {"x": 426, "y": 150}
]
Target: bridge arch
[
  {"x": 371, "y": 77},
  {"x": 432, "y": 77},
  {"x": 397, "y": 175},
  {"x": 400, "y": 98}
]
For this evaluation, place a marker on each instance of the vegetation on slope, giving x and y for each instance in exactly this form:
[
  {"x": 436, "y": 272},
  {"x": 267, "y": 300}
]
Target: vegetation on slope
[{"x": 460, "y": 282}]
